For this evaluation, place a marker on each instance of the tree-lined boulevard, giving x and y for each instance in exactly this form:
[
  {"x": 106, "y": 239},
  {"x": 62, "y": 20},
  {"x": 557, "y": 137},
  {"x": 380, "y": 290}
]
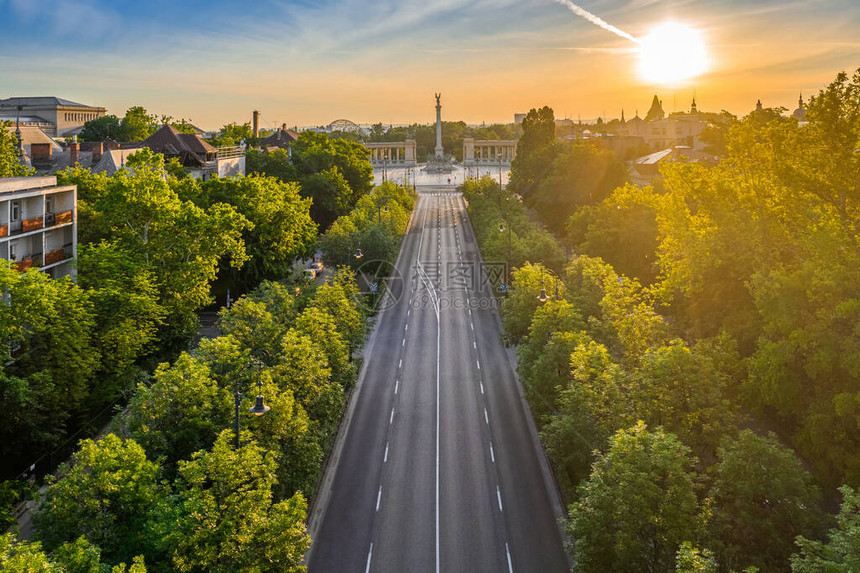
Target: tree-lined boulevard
[{"x": 437, "y": 471}]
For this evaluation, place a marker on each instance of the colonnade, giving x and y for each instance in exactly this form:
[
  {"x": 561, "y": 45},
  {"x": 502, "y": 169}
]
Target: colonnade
[
  {"x": 392, "y": 152},
  {"x": 488, "y": 151}
]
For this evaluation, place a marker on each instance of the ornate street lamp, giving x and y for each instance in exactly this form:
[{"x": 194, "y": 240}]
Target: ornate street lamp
[{"x": 259, "y": 407}]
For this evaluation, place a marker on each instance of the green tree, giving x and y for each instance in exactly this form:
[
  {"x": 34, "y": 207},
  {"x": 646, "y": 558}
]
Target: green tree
[
  {"x": 683, "y": 391},
  {"x": 137, "y": 124},
  {"x": 535, "y": 149},
  {"x": 182, "y": 412},
  {"x": 181, "y": 243},
  {"x": 10, "y": 165},
  {"x": 273, "y": 163},
  {"x": 223, "y": 517},
  {"x": 762, "y": 499},
  {"x": 691, "y": 559},
  {"x": 621, "y": 230},
  {"x": 580, "y": 174},
  {"x": 841, "y": 553},
  {"x": 334, "y": 173},
  {"x": 281, "y": 229},
  {"x": 106, "y": 493},
  {"x": 638, "y": 505},
  {"x": 101, "y": 128},
  {"x": 49, "y": 323},
  {"x": 124, "y": 296}
]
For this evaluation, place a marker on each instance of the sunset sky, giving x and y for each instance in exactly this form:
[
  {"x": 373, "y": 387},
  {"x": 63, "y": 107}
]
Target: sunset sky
[{"x": 304, "y": 62}]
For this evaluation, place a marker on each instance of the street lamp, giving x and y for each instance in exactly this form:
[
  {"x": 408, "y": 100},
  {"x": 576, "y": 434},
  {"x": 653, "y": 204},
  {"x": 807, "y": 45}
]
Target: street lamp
[
  {"x": 259, "y": 407},
  {"x": 508, "y": 262},
  {"x": 358, "y": 254},
  {"x": 379, "y": 211}
]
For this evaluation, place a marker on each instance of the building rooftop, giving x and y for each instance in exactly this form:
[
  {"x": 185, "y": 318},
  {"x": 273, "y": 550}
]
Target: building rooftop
[{"x": 41, "y": 101}]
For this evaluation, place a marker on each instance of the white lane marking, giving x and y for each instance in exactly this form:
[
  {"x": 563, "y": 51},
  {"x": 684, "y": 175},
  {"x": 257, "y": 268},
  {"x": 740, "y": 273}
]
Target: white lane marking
[
  {"x": 472, "y": 324},
  {"x": 438, "y": 347},
  {"x": 492, "y": 454},
  {"x": 385, "y": 459},
  {"x": 486, "y": 417},
  {"x": 401, "y": 364},
  {"x": 378, "y": 498},
  {"x": 474, "y": 345},
  {"x": 396, "y": 386},
  {"x": 482, "y": 387},
  {"x": 408, "y": 312},
  {"x": 498, "y": 495},
  {"x": 403, "y": 343},
  {"x": 391, "y": 418},
  {"x": 510, "y": 564},
  {"x": 369, "y": 555},
  {"x": 407, "y": 326},
  {"x": 479, "y": 364}
]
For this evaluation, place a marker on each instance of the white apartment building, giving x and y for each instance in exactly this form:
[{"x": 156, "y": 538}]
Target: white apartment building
[{"x": 39, "y": 224}]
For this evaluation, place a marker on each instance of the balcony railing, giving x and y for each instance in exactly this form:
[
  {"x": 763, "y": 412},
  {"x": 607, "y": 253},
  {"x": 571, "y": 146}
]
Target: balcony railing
[
  {"x": 60, "y": 218},
  {"x": 27, "y": 262},
  {"x": 4, "y": 230},
  {"x": 33, "y": 224}
]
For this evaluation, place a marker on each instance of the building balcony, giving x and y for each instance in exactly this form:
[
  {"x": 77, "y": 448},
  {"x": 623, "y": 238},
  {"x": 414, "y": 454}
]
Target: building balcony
[
  {"x": 4, "y": 230},
  {"x": 27, "y": 262},
  {"x": 61, "y": 218},
  {"x": 33, "y": 224}
]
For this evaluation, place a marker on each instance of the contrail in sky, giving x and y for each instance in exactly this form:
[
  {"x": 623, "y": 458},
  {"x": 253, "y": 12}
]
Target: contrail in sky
[{"x": 596, "y": 20}]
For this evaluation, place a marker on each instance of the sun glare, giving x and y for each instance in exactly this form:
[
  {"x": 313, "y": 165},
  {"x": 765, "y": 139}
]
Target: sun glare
[{"x": 671, "y": 53}]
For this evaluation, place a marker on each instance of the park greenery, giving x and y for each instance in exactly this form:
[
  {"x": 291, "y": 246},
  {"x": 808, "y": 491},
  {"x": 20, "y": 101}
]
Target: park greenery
[
  {"x": 334, "y": 173},
  {"x": 152, "y": 242},
  {"x": 136, "y": 125},
  {"x": 694, "y": 371}
]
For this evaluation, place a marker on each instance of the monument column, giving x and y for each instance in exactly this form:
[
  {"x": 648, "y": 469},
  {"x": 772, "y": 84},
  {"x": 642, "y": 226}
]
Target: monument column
[{"x": 440, "y": 153}]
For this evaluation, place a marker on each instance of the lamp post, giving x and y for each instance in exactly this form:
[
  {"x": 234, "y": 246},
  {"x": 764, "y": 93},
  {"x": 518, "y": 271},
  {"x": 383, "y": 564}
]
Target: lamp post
[
  {"x": 508, "y": 261},
  {"x": 379, "y": 211},
  {"x": 259, "y": 407},
  {"x": 543, "y": 297}
]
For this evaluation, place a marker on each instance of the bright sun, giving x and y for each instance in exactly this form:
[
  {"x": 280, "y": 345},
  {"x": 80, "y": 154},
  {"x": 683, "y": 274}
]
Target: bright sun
[{"x": 671, "y": 53}]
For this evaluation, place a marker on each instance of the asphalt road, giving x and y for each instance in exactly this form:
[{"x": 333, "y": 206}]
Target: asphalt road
[{"x": 437, "y": 470}]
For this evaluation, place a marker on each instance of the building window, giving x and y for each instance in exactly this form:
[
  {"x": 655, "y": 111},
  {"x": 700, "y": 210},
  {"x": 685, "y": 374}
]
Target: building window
[
  {"x": 15, "y": 215},
  {"x": 49, "y": 204},
  {"x": 13, "y": 251},
  {"x": 655, "y": 131}
]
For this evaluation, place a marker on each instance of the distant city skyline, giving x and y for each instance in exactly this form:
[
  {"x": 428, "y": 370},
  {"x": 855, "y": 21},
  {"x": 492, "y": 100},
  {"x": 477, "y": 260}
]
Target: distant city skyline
[{"x": 309, "y": 63}]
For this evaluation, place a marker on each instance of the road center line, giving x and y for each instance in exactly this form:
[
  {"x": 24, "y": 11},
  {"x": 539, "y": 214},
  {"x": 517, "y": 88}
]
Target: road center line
[
  {"x": 510, "y": 564},
  {"x": 479, "y": 364},
  {"x": 369, "y": 555},
  {"x": 385, "y": 459},
  {"x": 486, "y": 417},
  {"x": 492, "y": 454},
  {"x": 391, "y": 418},
  {"x": 498, "y": 496},
  {"x": 396, "y": 386},
  {"x": 482, "y": 387},
  {"x": 379, "y": 498}
]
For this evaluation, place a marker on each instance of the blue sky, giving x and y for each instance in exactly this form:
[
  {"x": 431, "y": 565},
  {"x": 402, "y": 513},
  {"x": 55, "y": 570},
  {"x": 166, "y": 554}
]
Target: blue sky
[{"x": 305, "y": 63}]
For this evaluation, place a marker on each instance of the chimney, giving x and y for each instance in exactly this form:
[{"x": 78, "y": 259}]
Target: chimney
[
  {"x": 74, "y": 153},
  {"x": 256, "y": 123},
  {"x": 97, "y": 151},
  {"x": 40, "y": 153},
  {"x": 110, "y": 144}
]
